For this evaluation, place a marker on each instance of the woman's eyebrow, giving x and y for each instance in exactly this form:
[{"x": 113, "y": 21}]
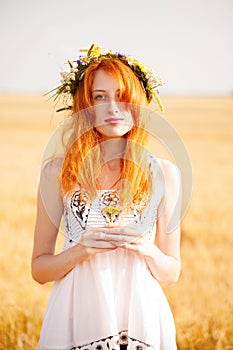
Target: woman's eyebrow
[{"x": 101, "y": 90}]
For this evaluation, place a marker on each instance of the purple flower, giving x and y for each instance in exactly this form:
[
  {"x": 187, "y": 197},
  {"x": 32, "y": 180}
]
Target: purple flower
[
  {"x": 80, "y": 59},
  {"x": 121, "y": 54}
]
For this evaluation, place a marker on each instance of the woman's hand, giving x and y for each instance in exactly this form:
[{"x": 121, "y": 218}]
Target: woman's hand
[
  {"x": 48, "y": 266},
  {"x": 163, "y": 265},
  {"x": 111, "y": 235}
]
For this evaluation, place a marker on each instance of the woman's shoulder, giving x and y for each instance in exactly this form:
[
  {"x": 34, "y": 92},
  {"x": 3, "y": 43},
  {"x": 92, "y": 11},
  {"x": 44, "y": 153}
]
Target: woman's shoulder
[
  {"x": 52, "y": 167},
  {"x": 164, "y": 166},
  {"x": 171, "y": 173}
]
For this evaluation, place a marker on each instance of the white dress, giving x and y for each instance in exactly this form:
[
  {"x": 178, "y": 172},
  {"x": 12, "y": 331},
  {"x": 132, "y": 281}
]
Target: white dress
[{"x": 111, "y": 299}]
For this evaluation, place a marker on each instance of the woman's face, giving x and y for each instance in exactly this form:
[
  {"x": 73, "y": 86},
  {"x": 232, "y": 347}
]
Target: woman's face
[{"x": 111, "y": 118}]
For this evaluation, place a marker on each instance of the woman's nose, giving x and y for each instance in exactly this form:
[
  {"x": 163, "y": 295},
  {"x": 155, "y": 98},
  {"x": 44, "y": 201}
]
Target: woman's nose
[{"x": 113, "y": 107}]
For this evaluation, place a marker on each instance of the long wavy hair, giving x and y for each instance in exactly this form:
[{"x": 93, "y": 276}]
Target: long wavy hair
[{"x": 84, "y": 158}]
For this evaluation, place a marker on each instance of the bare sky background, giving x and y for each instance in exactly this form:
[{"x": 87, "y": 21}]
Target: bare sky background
[{"x": 189, "y": 42}]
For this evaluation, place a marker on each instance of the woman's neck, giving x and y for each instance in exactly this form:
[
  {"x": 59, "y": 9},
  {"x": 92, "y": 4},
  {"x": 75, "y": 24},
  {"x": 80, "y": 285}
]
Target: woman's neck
[{"x": 113, "y": 150}]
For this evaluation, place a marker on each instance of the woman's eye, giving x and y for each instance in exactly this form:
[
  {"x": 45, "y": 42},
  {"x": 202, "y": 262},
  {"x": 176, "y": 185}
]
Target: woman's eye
[{"x": 99, "y": 97}]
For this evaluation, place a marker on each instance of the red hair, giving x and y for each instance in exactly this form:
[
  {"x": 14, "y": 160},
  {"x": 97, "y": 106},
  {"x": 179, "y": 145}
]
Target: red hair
[{"x": 83, "y": 159}]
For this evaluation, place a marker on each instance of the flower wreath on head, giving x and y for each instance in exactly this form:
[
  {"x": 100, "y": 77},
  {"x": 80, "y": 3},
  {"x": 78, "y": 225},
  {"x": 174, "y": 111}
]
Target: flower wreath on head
[{"x": 71, "y": 80}]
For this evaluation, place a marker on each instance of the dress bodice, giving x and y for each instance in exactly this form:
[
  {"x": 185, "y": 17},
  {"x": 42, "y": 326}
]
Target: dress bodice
[{"x": 80, "y": 213}]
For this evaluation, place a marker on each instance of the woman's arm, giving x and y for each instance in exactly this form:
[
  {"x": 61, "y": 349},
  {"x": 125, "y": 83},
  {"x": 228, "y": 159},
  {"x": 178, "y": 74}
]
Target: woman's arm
[{"x": 45, "y": 265}]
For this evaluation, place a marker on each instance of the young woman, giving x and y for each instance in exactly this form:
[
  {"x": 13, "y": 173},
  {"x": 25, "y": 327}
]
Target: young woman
[{"x": 117, "y": 201}]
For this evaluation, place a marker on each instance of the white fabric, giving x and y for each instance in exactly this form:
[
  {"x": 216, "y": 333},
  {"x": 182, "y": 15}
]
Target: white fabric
[{"x": 112, "y": 298}]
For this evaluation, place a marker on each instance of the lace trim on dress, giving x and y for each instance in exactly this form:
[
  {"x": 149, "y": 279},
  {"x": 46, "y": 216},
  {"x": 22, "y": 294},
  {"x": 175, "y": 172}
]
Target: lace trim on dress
[{"x": 114, "y": 342}]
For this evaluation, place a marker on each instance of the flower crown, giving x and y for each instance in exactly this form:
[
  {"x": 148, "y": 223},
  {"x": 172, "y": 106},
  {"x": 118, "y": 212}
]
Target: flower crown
[{"x": 71, "y": 80}]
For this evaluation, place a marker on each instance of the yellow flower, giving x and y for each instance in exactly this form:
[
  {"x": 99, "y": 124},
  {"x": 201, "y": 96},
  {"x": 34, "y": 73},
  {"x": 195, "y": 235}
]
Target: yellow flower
[
  {"x": 131, "y": 60},
  {"x": 96, "y": 51},
  {"x": 141, "y": 66},
  {"x": 111, "y": 213}
]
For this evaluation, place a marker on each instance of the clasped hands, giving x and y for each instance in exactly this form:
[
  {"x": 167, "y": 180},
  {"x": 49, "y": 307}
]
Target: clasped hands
[{"x": 113, "y": 235}]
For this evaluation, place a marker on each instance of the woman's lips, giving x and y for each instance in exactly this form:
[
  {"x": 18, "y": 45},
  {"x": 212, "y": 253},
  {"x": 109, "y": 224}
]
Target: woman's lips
[{"x": 113, "y": 120}]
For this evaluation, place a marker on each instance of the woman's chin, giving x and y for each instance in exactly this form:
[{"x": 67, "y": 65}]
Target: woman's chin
[{"x": 113, "y": 130}]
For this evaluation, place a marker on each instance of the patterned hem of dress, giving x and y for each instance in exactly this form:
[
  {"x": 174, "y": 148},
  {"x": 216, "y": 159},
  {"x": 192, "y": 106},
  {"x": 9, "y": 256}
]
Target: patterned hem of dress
[{"x": 114, "y": 342}]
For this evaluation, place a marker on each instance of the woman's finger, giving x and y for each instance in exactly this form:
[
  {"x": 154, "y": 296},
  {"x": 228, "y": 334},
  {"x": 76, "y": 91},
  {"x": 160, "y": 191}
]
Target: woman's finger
[{"x": 123, "y": 230}]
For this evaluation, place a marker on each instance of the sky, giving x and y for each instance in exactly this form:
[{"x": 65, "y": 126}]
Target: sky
[{"x": 188, "y": 42}]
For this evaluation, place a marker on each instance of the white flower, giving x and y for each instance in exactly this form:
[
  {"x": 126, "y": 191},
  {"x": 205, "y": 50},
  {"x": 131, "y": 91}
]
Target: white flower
[
  {"x": 72, "y": 76},
  {"x": 66, "y": 95},
  {"x": 74, "y": 70},
  {"x": 64, "y": 77},
  {"x": 67, "y": 77},
  {"x": 130, "y": 60},
  {"x": 67, "y": 88},
  {"x": 154, "y": 79}
]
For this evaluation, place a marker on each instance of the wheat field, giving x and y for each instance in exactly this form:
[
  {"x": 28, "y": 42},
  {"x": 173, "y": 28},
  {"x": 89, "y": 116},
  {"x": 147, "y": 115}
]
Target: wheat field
[{"x": 202, "y": 299}]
